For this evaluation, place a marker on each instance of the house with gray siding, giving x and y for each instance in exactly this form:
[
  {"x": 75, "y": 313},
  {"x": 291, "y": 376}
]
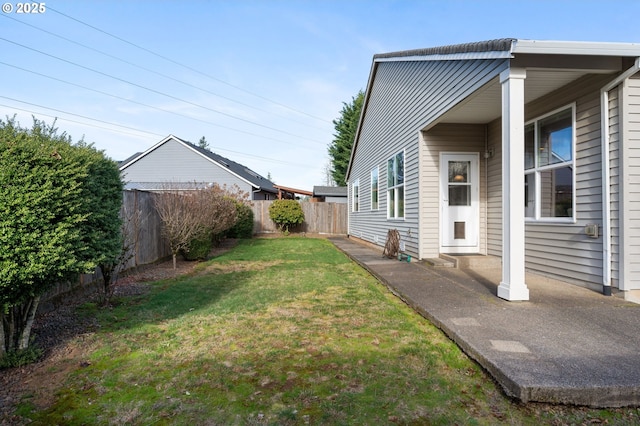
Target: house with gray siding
[
  {"x": 525, "y": 150},
  {"x": 176, "y": 163}
]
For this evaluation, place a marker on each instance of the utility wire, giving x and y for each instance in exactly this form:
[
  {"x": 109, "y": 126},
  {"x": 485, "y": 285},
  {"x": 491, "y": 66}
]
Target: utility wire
[
  {"x": 73, "y": 121},
  {"x": 184, "y": 66},
  {"x": 158, "y": 92},
  {"x": 271, "y": 160},
  {"x": 151, "y": 106},
  {"x": 154, "y": 71}
]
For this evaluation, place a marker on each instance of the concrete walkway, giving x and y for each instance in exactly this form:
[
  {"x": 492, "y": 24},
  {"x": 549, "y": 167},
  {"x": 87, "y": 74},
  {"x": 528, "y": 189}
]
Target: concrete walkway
[{"x": 566, "y": 344}]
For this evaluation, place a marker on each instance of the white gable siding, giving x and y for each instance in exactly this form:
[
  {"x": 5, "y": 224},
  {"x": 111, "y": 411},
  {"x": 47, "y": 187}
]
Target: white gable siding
[
  {"x": 405, "y": 97},
  {"x": 630, "y": 185},
  {"x": 174, "y": 162}
]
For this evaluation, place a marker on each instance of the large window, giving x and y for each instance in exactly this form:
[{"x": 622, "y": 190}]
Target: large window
[
  {"x": 395, "y": 186},
  {"x": 355, "y": 196},
  {"x": 549, "y": 167},
  {"x": 374, "y": 189}
]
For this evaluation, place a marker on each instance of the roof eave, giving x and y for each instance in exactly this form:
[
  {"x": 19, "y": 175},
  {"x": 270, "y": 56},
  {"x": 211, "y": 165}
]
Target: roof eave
[{"x": 551, "y": 47}]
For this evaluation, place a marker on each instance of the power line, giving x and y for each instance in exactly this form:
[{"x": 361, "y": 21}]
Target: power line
[
  {"x": 154, "y": 71},
  {"x": 158, "y": 92},
  {"x": 150, "y": 106},
  {"x": 271, "y": 160},
  {"x": 183, "y": 65}
]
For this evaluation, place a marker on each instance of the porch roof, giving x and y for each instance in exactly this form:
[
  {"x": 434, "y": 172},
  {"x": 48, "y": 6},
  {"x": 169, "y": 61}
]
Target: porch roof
[{"x": 509, "y": 47}]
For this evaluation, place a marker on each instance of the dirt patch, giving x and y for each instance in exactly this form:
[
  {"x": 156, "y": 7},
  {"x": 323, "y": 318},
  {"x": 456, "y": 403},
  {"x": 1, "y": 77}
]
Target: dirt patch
[
  {"x": 229, "y": 267},
  {"x": 67, "y": 338}
]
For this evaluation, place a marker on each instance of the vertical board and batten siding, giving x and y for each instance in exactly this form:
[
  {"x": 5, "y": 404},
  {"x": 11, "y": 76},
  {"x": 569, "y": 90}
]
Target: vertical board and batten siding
[
  {"x": 174, "y": 162},
  {"x": 405, "y": 97},
  {"x": 562, "y": 250},
  {"x": 469, "y": 138},
  {"x": 630, "y": 185}
]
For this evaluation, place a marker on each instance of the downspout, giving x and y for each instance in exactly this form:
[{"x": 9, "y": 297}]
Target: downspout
[{"x": 606, "y": 175}]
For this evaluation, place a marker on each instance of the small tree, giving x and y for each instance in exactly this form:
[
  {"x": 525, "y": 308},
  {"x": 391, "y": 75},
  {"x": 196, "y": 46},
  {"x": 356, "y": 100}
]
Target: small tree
[
  {"x": 110, "y": 268},
  {"x": 286, "y": 213},
  {"x": 202, "y": 143}
]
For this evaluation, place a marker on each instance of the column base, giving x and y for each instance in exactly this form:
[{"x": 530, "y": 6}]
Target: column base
[{"x": 513, "y": 293}]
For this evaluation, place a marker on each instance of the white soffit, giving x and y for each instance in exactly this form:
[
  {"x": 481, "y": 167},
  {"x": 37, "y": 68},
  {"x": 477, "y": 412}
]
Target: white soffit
[
  {"x": 576, "y": 48},
  {"x": 485, "y": 104}
]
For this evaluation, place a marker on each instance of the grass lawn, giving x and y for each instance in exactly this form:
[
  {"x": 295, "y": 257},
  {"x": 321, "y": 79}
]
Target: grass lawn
[{"x": 281, "y": 331}]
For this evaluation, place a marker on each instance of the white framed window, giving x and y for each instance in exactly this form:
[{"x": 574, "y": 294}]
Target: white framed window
[
  {"x": 355, "y": 196},
  {"x": 374, "y": 188},
  {"x": 395, "y": 186},
  {"x": 549, "y": 175}
]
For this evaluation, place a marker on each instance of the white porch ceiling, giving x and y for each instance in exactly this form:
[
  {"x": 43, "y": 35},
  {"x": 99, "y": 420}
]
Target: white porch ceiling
[{"x": 485, "y": 104}]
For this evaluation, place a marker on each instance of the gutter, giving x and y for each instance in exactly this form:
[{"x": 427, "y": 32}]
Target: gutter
[{"x": 606, "y": 175}]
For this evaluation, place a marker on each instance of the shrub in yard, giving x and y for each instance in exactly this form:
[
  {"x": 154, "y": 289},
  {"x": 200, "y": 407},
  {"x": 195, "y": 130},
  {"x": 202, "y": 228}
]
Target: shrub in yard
[
  {"x": 243, "y": 227},
  {"x": 191, "y": 216},
  {"x": 286, "y": 213},
  {"x": 59, "y": 216},
  {"x": 199, "y": 248}
]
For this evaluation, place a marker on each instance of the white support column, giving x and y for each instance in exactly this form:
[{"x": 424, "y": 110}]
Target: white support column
[{"x": 513, "y": 287}]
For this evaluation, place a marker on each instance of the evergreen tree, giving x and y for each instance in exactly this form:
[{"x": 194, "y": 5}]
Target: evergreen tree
[
  {"x": 346, "y": 127},
  {"x": 202, "y": 143}
]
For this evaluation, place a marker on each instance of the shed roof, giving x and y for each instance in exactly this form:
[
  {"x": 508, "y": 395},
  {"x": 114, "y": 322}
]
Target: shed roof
[{"x": 329, "y": 191}]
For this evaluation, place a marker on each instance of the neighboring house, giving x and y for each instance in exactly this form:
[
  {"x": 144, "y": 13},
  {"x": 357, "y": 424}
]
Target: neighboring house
[
  {"x": 180, "y": 164},
  {"x": 526, "y": 150},
  {"x": 330, "y": 194}
]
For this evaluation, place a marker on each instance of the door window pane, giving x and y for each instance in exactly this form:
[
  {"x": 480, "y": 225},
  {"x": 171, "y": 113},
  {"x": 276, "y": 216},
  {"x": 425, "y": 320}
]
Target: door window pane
[
  {"x": 459, "y": 195},
  {"x": 459, "y": 171}
]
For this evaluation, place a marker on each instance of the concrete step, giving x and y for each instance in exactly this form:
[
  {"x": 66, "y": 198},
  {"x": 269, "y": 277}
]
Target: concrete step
[
  {"x": 472, "y": 261},
  {"x": 439, "y": 262}
]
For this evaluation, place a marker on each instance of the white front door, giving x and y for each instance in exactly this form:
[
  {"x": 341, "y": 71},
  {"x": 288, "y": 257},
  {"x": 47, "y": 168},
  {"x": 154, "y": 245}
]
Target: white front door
[{"x": 460, "y": 203}]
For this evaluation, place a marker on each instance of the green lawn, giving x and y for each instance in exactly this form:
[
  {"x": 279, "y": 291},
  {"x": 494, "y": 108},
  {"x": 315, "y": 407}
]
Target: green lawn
[{"x": 281, "y": 331}]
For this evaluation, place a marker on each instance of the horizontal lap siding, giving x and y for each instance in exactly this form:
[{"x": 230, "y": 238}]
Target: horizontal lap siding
[
  {"x": 174, "y": 162},
  {"x": 447, "y": 138},
  {"x": 563, "y": 250},
  {"x": 404, "y": 97},
  {"x": 631, "y": 188},
  {"x": 494, "y": 189}
]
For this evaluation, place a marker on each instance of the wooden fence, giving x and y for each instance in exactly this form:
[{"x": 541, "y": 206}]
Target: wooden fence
[
  {"x": 144, "y": 230},
  {"x": 319, "y": 218}
]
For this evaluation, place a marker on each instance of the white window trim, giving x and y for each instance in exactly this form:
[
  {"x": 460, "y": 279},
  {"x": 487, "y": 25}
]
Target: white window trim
[
  {"x": 377, "y": 170},
  {"x": 537, "y": 219},
  {"x": 404, "y": 185},
  {"x": 355, "y": 187}
]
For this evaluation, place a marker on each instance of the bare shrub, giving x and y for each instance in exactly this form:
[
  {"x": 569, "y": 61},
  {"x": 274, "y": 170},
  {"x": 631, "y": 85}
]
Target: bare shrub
[{"x": 187, "y": 215}]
